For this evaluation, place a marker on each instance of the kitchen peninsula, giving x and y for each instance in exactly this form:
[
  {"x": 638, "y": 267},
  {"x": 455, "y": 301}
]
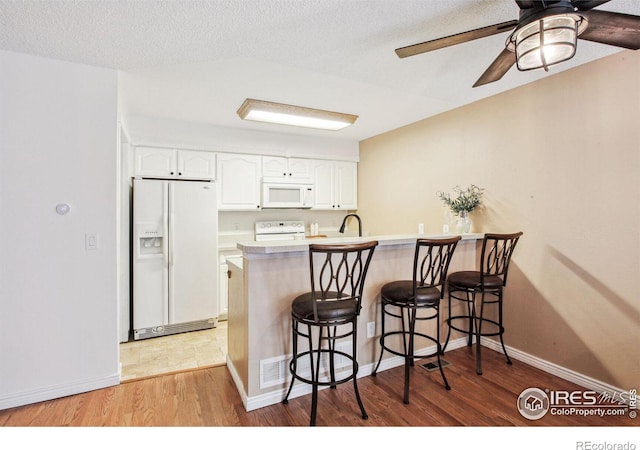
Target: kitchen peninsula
[{"x": 264, "y": 283}]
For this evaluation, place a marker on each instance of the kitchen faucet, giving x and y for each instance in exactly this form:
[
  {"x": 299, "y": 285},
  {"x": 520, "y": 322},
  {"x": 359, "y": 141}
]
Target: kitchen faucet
[{"x": 344, "y": 223}]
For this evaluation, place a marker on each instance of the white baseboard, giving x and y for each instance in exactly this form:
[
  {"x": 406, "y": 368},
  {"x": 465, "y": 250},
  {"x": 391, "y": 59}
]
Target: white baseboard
[
  {"x": 554, "y": 369},
  {"x": 53, "y": 392},
  {"x": 299, "y": 389},
  {"x": 238, "y": 383}
]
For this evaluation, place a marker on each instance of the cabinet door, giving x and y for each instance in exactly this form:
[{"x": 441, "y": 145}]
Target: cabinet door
[
  {"x": 196, "y": 165},
  {"x": 346, "y": 187},
  {"x": 293, "y": 168},
  {"x": 274, "y": 166},
  {"x": 324, "y": 183},
  {"x": 300, "y": 168},
  {"x": 239, "y": 181},
  {"x": 335, "y": 184},
  {"x": 155, "y": 162}
]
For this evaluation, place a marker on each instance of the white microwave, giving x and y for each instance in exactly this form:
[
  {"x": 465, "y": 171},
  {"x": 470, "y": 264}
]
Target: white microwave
[{"x": 282, "y": 193}]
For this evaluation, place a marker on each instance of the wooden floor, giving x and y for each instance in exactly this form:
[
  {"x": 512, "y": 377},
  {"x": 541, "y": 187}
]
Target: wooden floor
[{"x": 208, "y": 397}]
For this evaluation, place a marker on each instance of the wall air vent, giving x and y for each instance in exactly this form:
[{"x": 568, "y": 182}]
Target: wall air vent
[{"x": 275, "y": 371}]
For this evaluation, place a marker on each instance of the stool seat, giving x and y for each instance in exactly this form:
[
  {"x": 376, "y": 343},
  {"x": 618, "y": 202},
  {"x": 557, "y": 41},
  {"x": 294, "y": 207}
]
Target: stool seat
[
  {"x": 471, "y": 279},
  {"x": 332, "y": 308},
  {"x": 401, "y": 293}
]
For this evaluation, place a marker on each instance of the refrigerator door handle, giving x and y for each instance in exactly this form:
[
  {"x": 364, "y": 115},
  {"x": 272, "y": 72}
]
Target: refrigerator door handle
[
  {"x": 166, "y": 249},
  {"x": 172, "y": 255}
]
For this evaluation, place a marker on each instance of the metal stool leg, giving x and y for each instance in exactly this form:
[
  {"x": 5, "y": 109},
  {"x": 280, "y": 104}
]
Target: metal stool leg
[
  {"x": 332, "y": 348},
  {"x": 381, "y": 341},
  {"x": 315, "y": 373},
  {"x": 446, "y": 342},
  {"x": 408, "y": 360},
  {"x": 478, "y": 321},
  {"x": 504, "y": 349},
  {"x": 440, "y": 351},
  {"x": 293, "y": 366},
  {"x": 355, "y": 370}
]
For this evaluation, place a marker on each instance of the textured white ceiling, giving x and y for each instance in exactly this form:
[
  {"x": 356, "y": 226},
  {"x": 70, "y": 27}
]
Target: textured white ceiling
[{"x": 197, "y": 61}]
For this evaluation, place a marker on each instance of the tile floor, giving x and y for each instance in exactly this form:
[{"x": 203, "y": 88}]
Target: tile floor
[{"x": 175, "y": 353}]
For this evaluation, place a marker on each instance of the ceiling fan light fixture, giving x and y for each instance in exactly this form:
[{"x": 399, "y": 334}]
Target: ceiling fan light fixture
[
  {"x": 300, "y": 116},
  {"x": 545, "y": 41}
]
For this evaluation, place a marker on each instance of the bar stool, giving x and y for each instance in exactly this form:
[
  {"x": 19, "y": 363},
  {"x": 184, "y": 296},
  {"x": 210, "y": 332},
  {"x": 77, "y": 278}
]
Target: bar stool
[
  {"x": 404, "y": 300},
  {"x": 327, "y": 316},
  {"x": 486, "y": 284}
]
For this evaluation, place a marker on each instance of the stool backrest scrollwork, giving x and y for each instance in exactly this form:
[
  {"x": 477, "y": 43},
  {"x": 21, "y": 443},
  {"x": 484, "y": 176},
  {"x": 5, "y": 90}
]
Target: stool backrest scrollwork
[
  {"x": 497, "y": 250},
  {"x": 431, "y": 263},
  {"x": 338, "y": 271}
]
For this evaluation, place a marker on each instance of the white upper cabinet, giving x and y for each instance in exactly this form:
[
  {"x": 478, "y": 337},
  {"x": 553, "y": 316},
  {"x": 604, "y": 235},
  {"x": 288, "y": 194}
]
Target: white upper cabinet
[
  {"x": 239, "y": 182},
  {"x": 336, "y": 184},
  {"x": 196, "y": 165},
  {"x": 172, "y": 163},
  {"x": 291, "y": 168}
]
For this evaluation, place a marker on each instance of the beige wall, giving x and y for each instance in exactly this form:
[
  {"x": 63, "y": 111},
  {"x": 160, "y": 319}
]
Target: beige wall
[{"x": 560, "y": 160}]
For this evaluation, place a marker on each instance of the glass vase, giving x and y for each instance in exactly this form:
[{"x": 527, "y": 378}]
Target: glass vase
[{"x": 463, "y": 223}]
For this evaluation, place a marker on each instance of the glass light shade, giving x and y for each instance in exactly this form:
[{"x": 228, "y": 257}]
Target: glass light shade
[
  {"x": 300, "y": 116},
  {"x": 295, "y": 120},
  {"x": 545, "y": 42}
]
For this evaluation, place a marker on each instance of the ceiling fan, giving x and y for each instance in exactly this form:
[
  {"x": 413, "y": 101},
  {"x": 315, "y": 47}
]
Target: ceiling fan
[{"x": 545, "y": 34}]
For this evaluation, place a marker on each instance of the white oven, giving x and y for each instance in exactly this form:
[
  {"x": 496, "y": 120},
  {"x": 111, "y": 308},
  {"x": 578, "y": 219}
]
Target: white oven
[{"x": 286, "y": 194}]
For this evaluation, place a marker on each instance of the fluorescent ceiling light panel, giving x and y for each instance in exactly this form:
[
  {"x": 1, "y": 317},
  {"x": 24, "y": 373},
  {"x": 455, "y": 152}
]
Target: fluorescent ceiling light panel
[{"x": 299, "y": 116}]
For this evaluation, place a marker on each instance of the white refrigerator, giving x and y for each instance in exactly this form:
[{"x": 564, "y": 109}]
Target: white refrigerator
[{"x": 175, "y": 257}]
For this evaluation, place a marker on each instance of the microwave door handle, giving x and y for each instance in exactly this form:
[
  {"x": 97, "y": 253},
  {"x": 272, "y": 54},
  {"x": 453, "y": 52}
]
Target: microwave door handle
[{"x": 308, "y": 198}]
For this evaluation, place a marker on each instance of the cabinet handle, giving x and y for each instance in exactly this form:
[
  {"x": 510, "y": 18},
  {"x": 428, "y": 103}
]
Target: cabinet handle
[
  {"x": 289, "y": 174},
  {"x": 284, "y": 174},
  {"x": 179, "y": 173},
  {"x": 171, "y": 173}
]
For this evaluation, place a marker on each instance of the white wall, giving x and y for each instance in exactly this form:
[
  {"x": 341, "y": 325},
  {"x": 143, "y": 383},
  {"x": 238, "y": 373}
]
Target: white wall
[{"x": 58, "y": 301}]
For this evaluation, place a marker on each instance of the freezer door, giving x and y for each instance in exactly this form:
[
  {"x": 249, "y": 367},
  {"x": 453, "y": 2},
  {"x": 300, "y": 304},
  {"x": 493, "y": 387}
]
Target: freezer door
[
  {"x": 150, "y": 253},
  {"x": 193, "y": 251}
]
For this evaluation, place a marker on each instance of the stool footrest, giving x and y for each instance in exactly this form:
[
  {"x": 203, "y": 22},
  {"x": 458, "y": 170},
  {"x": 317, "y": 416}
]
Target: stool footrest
[
  {"x": 484, "y": 320},
  {"x": 306, "y": 376}
]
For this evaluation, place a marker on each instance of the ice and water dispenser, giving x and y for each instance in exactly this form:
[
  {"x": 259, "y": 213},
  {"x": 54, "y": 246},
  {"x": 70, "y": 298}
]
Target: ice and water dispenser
[{"x": 149, "y": 239}]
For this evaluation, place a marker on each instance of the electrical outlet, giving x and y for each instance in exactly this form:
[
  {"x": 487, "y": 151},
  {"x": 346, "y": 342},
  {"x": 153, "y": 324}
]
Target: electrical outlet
[{"x": 371, "y": 329}]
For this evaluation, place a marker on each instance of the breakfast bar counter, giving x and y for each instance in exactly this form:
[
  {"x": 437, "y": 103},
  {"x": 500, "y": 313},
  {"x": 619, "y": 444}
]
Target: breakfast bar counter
[{"x": 272, "y": 273}]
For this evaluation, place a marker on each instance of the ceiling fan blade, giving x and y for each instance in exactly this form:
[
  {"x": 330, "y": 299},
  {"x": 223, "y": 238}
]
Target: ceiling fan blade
[
  {"x": 621, "y": 30},
  {"x": 459, "y": 38},
  {"x": 498, "y": 68},
  {"x": 585, "y": 5}
]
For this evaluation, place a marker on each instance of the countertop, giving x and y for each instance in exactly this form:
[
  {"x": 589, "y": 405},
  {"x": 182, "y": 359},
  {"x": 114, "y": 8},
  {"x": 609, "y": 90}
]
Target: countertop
[{"x": 300, "y": 245}]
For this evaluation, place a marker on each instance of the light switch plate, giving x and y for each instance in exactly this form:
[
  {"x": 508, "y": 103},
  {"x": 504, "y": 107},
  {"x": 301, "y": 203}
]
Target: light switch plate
[{"x": 91, "y": 241}]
